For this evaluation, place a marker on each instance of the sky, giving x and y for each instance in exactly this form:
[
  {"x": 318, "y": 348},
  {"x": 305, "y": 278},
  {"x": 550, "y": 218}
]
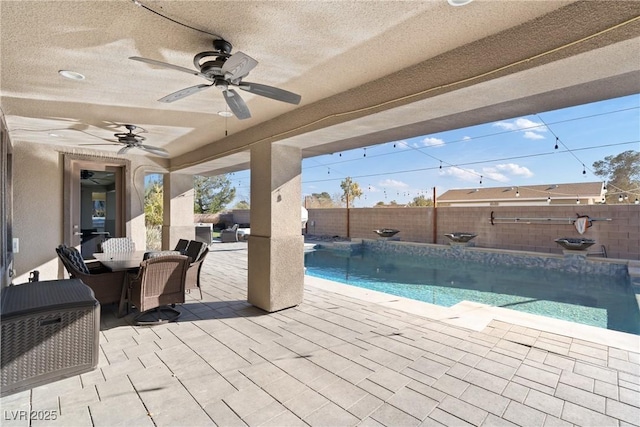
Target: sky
[{"x": 515, "y": 152}]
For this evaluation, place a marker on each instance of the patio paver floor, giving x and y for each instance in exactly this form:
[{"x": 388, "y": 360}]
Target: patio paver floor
[{"x": 335, "y": 360}]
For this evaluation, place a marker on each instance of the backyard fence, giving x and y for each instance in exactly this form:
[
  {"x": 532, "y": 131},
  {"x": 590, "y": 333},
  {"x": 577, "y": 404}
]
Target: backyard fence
[{"x": 522, "y": 228}]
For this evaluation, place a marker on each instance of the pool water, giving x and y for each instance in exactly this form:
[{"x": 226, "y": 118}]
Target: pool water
[{"x": 592, "y": 300}]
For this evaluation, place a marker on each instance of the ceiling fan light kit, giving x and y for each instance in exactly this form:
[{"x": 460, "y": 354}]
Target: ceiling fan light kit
[
  {"x": 225, "y": 71},
  {"x": 134, "y": 140}
]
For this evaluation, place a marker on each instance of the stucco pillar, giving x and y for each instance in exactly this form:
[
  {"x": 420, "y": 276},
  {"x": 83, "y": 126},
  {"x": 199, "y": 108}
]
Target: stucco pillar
[
  {"x": 276, "y": 246},
  {"x": 177, "y": 209}
]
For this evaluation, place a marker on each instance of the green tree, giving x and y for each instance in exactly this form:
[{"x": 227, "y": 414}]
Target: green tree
[
  {"x": 320, "y": 200},
  {"x": 621, "y": 172},
  {"x": 153, "y": 195},
  {"x": 242, "y": 204},
  {"x": 350, "y": 191},
  {"x": 421, "y": 201},
  {"x": 212, "y": 193}
]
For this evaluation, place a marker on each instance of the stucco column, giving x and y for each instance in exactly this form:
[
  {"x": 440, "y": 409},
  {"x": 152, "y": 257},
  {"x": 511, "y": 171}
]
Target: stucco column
[
  {"x": 177, "y": 209},
  {"x": 276, "y": 246}
]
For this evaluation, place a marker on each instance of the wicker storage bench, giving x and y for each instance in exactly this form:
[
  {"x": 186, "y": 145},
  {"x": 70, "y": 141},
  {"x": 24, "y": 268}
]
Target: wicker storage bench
[{"x": 50, "y": 331}]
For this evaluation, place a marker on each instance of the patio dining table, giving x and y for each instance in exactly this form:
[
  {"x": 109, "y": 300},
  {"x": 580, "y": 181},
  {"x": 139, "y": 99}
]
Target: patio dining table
[{"x": 119, "y": 261}]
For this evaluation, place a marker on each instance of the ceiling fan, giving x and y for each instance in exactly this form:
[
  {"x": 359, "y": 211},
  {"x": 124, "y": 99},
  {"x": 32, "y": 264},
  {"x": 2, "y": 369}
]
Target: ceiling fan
[
  {"x": 134, "y": 140},
  {"x": 224, "y": 71},
  {"x": 87, "y": 175}
]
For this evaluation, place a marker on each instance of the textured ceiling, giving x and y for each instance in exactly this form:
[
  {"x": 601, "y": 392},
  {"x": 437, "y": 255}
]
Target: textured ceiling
[{"x": 367, "y": 71}]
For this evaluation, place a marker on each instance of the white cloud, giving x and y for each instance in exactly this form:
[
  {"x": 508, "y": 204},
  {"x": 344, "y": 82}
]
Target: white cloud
[
  {"x": 499, "y": 173},
  {"x": 532, "y": 135},
  {"x": 513, "y": 169},
  {"x": 432, "y": 142},
  {"x": 461, "y": 174},
  {"x": 392, "y": 183},
  {"x": 532, "y": 130},
  {"x": 494, "y": 175},
  {"x": 403, "y": 144}
]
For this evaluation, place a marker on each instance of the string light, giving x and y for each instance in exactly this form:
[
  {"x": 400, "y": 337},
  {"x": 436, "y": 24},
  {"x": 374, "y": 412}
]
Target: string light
[
  {"x": 584, "y": 169},
  {"x": 620, "y": 198},
  {"x": 637, "y": 202},
  {"x": 365, "y": 152},
  {"x": 577, "y": 200},
  {"x": 517, "y": 192},
  {"x": 440, "y": 164},
  {"x": 548, "y": 199},
  {"x": 556, "y": 147},
  {"x": 480, "y": 179}
]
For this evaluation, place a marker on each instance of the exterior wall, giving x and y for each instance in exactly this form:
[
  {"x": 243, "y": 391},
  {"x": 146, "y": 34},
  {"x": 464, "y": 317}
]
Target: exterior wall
[
  {"x": 620, "y": 236},
  {"x": 39, "y": 209},
  {"x": 327, "y": 222}
]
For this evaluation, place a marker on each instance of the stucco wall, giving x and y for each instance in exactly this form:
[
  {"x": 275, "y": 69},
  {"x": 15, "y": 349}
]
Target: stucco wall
[
  {"x": 38, "y": 206},
  {"x": 621, "y": 235},
  {"x": 37, "y": 209}
]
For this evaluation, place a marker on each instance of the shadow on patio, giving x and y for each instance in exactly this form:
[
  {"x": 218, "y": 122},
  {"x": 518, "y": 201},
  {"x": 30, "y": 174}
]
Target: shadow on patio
[{"x": 335, "y": 360}]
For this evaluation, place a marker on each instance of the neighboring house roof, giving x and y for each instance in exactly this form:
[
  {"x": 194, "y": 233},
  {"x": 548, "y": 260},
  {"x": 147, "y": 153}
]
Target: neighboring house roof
[{"x": 523, "y": 194}]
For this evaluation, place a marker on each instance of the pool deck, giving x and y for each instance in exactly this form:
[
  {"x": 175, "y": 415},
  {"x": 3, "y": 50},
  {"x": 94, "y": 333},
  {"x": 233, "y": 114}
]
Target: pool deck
[{"x": 346, "y": 356}]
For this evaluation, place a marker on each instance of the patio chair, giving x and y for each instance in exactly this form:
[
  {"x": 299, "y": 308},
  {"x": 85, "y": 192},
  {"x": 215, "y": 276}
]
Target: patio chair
[
  {"x": 182, "y": 245},
  {"x": 193, "y": 273},
  {"x": 158, "y": 286},
  {"x": 106, "y": 285},
  {"x": 118, "y": 244},
  {"x": 229, "y": 234}
]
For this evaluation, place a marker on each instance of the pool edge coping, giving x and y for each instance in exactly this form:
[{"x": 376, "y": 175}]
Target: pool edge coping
[{"x": 475, "y": 316}]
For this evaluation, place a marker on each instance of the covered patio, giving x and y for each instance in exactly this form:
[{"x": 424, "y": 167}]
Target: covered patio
[{"x": 342, "y": 358}]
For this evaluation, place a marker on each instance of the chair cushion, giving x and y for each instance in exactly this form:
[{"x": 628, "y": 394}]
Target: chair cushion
[
  {"x": 74, "y": 257},
  {"x": 155, "y": 254}
]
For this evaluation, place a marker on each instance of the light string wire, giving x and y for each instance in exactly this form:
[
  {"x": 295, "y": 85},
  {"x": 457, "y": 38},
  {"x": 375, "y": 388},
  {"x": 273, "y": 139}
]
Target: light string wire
[
  {"x": 312, "y": 123},
  {"x": 474, "y": 163},
  {"x": 447, "y": 143}
]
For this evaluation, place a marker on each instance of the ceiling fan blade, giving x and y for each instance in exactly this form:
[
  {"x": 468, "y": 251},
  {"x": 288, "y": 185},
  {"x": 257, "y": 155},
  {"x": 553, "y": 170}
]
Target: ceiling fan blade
[
  {"x": 160, "y": 152},
  {"x": 123, "y": 150},
  {"x": 271, "y": 92},
  {"x": 236, "y": 104},
  {"x": 183, "y": 93},
  {"x": 171, "y": 66},
  {"x": 238, "y": 66}
]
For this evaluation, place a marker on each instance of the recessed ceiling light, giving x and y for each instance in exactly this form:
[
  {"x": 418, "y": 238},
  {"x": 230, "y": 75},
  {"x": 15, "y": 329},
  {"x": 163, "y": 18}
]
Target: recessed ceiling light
[
  {"x": 459, "y": 2},
  {"x": 71, "y": 75},
  {"x": 225, "y": 113}
]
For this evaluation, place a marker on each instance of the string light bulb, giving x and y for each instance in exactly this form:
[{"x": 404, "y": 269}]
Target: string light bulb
[
  {"x": 548, "y": 199},
  {"x": 517, "y": 192},
  {"x": 556, "y": 147},
  {"x": 480, "y": 179},
  {"x": 365, "y": 152},
  {"x": 620, "y": 198},
  {"x": 577, "y": 200},
  {"x": 604, "y": 187},
  {"x": 584, "y": 170},
  {"x": 637, "y": 202},
  {"x": 440, "y": 164}
]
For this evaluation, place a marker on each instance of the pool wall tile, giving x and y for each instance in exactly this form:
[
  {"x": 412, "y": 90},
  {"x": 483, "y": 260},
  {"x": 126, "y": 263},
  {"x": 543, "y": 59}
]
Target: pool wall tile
[{"x": 574, "y": 263}]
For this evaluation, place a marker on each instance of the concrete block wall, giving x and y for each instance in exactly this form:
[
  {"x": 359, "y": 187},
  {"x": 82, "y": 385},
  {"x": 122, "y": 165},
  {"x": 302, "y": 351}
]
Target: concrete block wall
[
  {"x": 327, "y": 222},
  {"x": 415, "y": 224},
  {"x": 620, "y": 236}
]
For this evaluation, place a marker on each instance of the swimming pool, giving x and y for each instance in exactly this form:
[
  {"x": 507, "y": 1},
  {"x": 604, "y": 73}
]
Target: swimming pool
[{"x": 596, "y": 300}]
